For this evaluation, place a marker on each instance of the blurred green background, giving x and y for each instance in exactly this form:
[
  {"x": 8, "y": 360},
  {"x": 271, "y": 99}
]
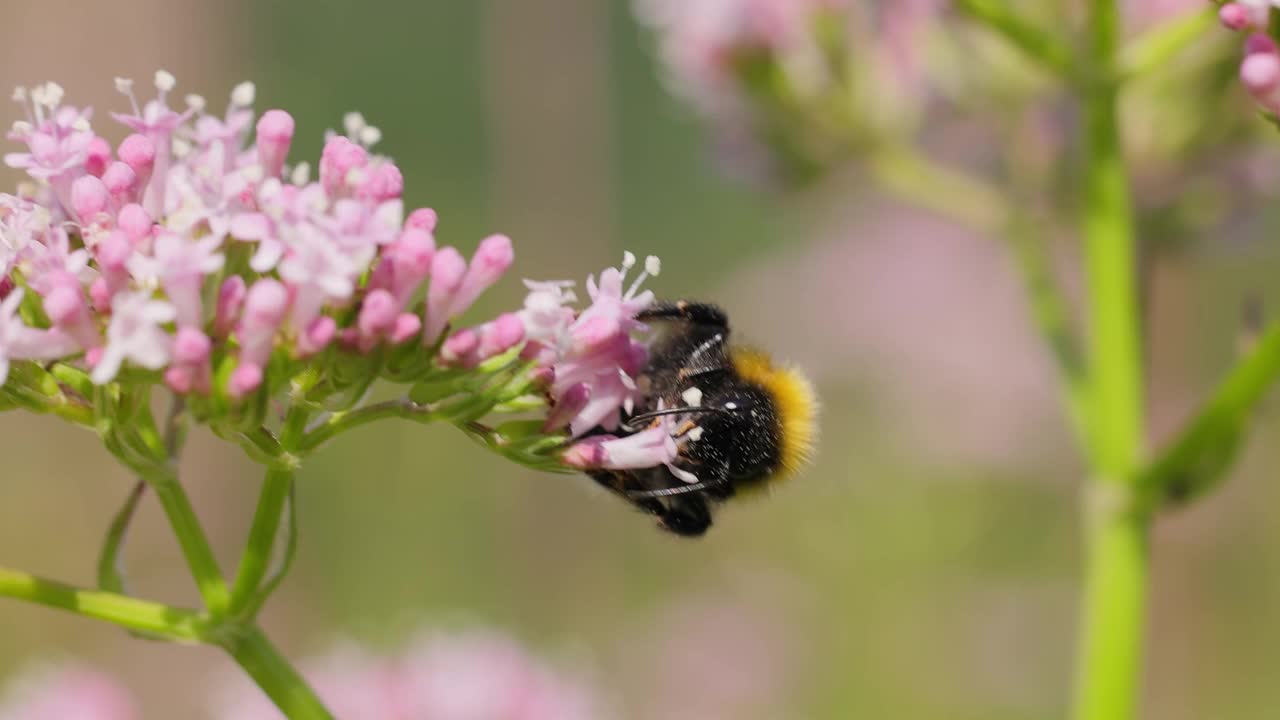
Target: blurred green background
[{"x": 927, "y": 565}]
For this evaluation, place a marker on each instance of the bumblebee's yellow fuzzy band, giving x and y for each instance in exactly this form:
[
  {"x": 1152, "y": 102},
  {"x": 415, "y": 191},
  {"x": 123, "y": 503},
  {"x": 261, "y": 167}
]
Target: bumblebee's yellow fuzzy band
[{"x": 795, "y": 400}]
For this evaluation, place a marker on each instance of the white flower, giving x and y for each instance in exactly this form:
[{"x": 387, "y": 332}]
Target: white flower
[{"x": 135, "y": 334}]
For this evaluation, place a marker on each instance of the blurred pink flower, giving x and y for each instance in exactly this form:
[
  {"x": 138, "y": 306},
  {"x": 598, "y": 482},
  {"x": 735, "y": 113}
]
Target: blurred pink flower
[
  {"x": 713, "y": 658},
  {"x": 757, "y": 70},
  {"x": 476, "y": 675},
  {"x": 928, "y": 318},
  {"x": 68, "y": 692}
]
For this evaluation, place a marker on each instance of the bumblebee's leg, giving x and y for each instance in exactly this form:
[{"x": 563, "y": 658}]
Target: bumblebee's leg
[{"x": 688, "y": 311}]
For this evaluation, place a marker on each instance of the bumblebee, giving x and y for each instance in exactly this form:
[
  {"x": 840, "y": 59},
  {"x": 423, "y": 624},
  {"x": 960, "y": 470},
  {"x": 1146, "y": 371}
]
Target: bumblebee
[{"x": 741, "y": 421}]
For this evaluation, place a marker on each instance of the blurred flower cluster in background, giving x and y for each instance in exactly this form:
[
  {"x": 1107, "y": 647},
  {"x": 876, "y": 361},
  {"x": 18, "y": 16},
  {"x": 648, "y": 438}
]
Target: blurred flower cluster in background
[{"x": 925, "y": 567}]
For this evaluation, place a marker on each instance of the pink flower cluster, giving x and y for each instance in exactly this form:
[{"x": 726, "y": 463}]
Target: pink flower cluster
[
  {"x": 467, "y": 676},
  {"x": 1260, "y": 69},
  {"x": 187, "y": 245},
  {"x": 194, "y": 255},
  {"x": 65, "y": 693},
  {"x": 710, "y": 50}
]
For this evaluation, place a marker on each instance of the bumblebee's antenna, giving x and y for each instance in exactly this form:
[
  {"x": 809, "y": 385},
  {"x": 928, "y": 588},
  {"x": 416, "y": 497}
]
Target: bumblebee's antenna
[
  {"x": 681, "y": 490},
  {"x": 645, "y": 417}
]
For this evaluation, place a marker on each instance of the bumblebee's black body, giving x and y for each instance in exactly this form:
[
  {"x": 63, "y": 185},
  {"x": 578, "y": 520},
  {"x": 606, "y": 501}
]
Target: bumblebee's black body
[{"x": 740, "y": 441}]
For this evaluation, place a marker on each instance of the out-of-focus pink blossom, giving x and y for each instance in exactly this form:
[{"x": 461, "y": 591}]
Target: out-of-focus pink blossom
[
  {"x": 463, "y": 676},
  {"x": 66, "y": 693},
  {"x": 1246, "y": 14}
]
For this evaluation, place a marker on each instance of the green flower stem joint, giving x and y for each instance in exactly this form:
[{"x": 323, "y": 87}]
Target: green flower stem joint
[{"x": 268, "y": 318}]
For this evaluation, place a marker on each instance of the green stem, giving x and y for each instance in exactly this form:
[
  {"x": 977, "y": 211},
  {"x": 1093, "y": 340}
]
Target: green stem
[
  {"x": 1155, "y": 48},
  {"x": 192, "y": 539},
  {"x": 1052, "y": 317},
  {"x": 140, "y": 615},
  {"x": 1114, "y": 606},
  {"x": 262, "y": 535},
  {"x": 1035, "y": 43},
  {"x": 915, "y": 178},
  {"x": 277, "y": 678},
  {"x": 110, "y": 567},
  {"x": 1110, "y": 261},
  {"x": 1200, "y": 453},
  {"x": 1116, "y": 545},
  {"x": 341, "y": 422}
]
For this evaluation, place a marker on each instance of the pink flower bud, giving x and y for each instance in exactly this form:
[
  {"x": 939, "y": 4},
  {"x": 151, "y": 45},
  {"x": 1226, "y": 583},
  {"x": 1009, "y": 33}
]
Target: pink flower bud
[
  {"x": 275, "y": 133},
  {"x": 1260, "y": 74},
  {"x": 384, "y": 183},
  {"x": 66, "y": 307},
  {"x": 180, "y": 379},
  {"x": 264, "y": 310},
  {"x": 121, "y": 183},
  {"x": 191, "y": 370},
  {"x": 191, "y": 346},
  {"x": 459, "y": 348},
  {"x": 113, "y": 252},
  {"x": 569, "y": 404},
  {"x": 587, "y": 454},
  {"x": 230, "y": 301},
  {"x": 503, "y": 333},
  {"x": 246, "y": 378},
  {"x": 405, "y": 264},
  {"x": 339, "y": 157},
  {"x": 422, "y": 219},
  {"x": 138, "y": 153},
  {"x": 136, "y": 224},
  {"x": 99, "y": 295},
  {"x": 319, "y": 333},
  {"x": 491, "y": 260},
  {"x": 407, "y": 325},
  {"x": 89, "y": 199},
  {"x": 97, "y": 157},
  {"x": 377, "y": 316},
  {"x": 447, "y": 271},
  {"x": 1260, "y": 43},
  {"x": 1233, "y": 16}
]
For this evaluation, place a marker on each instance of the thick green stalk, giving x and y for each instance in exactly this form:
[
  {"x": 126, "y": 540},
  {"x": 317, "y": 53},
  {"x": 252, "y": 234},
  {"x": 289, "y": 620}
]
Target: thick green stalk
[
  {"x": 277, "y": 678},
  {"x": 1110, "y": 261},
  {"x": 262, "y": 535},
  {"x": 1116, "y": 536},
  {"x": 1114, "y": 606},
  {"x": 147, "y": 617}
]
